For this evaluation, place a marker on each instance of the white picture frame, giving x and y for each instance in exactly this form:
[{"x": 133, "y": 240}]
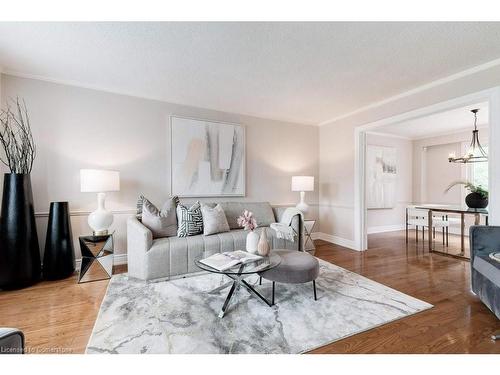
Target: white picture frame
[
  {"x": 381, "y": 177},
  {"x": 207, "y": 158}
]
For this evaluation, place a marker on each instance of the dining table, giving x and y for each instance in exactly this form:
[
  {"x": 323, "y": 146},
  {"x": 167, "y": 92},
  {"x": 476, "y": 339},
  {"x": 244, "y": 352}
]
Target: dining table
[{"x": 459, "y": 210}]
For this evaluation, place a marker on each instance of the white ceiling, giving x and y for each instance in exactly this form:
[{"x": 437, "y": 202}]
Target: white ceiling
[
  {"x": 299, "y": 72},
  {"x": 440, "y": 123}
]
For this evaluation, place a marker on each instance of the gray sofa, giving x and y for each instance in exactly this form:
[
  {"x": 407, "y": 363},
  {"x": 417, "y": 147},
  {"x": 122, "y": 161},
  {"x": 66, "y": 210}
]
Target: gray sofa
[
  {"x": 169, "y": 257},
  {"x": 485, "y": 272}
]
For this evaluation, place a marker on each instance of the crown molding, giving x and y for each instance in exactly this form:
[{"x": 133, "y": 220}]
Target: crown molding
[{"x": 416, "y": 90}]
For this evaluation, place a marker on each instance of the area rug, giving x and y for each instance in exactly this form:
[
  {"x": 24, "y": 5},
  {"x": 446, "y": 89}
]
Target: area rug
[{"x": 179, "y": 316}]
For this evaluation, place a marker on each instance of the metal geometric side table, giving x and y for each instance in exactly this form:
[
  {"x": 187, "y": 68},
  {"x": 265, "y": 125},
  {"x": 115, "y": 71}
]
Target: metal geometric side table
[
  {"x": 97, "y": 258},
  {"x": 308, "y": 230}
]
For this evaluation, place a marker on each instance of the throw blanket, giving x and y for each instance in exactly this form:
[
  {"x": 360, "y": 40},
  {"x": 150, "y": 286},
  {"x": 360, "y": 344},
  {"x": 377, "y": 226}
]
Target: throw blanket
[{"x": 283, "y": 228}]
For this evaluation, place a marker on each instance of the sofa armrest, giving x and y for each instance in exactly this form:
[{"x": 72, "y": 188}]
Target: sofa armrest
[
  {"x": 296, "y": 224},
  {"x": 139, "y": 241},
  {"x": 483, "y": 240},
  {"x": 11, "y": 341}
]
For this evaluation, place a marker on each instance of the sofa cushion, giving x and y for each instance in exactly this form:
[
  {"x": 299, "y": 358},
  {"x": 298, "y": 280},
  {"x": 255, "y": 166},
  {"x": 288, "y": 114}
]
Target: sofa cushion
[
  {"x": 190, "y": 220},
  {"x": 161, "y": 223},
  {"x": 487, "y": 267},
  {"x": 214, "y": 220},
  {"x": 262, "y": 211}
]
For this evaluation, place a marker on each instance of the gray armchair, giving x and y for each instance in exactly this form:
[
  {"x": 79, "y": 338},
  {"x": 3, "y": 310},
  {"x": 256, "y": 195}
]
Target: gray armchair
[
  {"x": 11, "y": 341},
  {"x": 485, "y": 272}
]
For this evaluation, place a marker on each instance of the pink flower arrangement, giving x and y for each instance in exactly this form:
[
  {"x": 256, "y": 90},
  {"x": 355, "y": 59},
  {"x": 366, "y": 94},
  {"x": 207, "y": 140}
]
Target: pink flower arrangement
[{"x": 247, "y": 221}]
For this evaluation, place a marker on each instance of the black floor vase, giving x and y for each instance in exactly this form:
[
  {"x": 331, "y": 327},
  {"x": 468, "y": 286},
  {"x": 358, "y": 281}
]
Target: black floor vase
[
  {"x": 59, "y": 255},
  {"x": 19, "y": 251}
]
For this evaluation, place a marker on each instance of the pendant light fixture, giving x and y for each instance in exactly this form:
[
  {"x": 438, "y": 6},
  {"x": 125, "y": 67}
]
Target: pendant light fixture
[{"x": 475, "y": 153}]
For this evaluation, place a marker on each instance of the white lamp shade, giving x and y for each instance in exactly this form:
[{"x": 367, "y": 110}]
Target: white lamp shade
[
  {"x": 303, "y": 183},
  {"x": 99, "y": 180}
]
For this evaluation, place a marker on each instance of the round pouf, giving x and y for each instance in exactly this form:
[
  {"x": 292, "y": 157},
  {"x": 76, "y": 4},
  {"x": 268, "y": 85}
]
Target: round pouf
[{"x": 296, "y": 267}]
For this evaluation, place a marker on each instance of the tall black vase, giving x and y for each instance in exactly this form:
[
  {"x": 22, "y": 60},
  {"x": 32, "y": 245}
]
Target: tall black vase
[
  {"x": 19, "y": 251},
  {"x": 59, "y": 255}
]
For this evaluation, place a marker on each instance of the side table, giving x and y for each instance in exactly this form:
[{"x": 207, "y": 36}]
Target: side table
[
  {"x": 97, "y": 258},
  {"x": 308, "y": 230}
]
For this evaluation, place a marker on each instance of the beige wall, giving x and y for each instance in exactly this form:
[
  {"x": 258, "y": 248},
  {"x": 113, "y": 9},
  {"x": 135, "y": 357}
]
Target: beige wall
[
  {"x": 80, "y": 128},
  {"x": 392, "y": 218},
  {"x": 337, "y": 147}
]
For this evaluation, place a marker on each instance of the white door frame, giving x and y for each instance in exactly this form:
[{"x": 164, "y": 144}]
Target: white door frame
[{"x": 492, "y": 96}]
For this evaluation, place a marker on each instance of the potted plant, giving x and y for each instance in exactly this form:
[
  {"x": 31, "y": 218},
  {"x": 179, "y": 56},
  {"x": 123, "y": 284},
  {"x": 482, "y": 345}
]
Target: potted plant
[
  {"x": 248, "y": 222},
  {"x": 478, "y": 196},
  {"x": 19, "y": 252}
]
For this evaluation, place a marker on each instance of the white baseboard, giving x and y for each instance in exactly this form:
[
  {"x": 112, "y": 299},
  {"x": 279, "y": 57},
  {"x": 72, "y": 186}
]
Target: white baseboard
[
  {"x": 385, "y": 228},
  {"x": 118, "y": 259},
  {"x": 333, "y": 239}
]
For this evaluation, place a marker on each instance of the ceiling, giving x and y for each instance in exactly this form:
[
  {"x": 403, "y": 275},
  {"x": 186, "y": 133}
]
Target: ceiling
[
  {"x": 440, "y": 123},
  {"x": 299, "y": 72}
]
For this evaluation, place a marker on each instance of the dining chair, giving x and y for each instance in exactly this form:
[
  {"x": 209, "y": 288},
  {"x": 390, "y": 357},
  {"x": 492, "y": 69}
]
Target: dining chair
[{"x": 420, "y": 218}]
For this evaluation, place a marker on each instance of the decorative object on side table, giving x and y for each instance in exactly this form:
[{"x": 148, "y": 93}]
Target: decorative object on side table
[
  {"x": 97, "y": 258},
  {"x": 477, "y": 198},
  {"x": 302, "y": 184},
  {"x": 263, "y": 248},
  {"x": 19, "y": 250},
  {"x": 59, "y": 255},
  {"x": 248, "y": 222},
  {"x": 99, "y": 181}
]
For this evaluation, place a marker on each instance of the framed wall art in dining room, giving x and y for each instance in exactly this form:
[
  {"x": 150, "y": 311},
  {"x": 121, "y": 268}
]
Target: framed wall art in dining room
[
  {"x": 381, "y": 177},
  {"x": 207, "y": 158}
]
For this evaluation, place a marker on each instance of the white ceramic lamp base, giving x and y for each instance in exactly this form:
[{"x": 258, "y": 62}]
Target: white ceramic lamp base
[
  {"x": 302, "y": 205},
  {"x": 101, "y": 219}
]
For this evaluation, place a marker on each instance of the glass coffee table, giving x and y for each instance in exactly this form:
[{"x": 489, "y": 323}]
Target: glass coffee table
[{"x": 237, "y": 274}]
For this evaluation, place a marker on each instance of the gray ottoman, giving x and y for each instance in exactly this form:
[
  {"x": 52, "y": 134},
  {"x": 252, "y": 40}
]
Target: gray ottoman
[{"x": 296, "y": 267}]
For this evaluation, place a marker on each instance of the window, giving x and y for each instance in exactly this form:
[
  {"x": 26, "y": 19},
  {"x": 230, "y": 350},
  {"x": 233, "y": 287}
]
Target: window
[{"x": 478, "y": 172}]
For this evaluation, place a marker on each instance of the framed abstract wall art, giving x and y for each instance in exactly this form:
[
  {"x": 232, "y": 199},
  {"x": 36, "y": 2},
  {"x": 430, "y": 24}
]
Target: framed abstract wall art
[
  {"x": 381, "y": 177},
  {"x": 207, "y": 158}
]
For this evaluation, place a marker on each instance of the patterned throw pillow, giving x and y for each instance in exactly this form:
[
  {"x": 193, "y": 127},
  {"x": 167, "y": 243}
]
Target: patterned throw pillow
[
  {"x": 140, "y": 203},
  {"x": 189, "y": 220}
]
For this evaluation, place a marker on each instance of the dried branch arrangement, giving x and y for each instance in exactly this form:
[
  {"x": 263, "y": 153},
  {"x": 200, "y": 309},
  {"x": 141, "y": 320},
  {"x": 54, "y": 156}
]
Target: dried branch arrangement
[{"x": 16, "y": 138}]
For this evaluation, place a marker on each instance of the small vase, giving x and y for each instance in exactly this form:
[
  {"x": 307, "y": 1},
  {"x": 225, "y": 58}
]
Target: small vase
[
  {"x": 252, "y": 242},
  {"x": 263, "y": 248}
]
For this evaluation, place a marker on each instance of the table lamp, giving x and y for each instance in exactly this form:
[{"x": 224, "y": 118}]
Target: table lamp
[
  {"x": 302, "y": 184},
  {"x": 99, "y": 181}
]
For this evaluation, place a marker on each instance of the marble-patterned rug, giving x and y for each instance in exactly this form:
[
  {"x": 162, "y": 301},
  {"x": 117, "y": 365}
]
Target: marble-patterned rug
[{"x": 179, "y": 316}]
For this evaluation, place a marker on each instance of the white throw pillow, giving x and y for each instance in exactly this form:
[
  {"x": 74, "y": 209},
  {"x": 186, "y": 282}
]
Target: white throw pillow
[{"x": 214, "y": 220}]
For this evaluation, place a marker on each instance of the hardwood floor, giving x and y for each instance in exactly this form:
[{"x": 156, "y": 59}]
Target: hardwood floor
[{"x": 58, "y": 316}]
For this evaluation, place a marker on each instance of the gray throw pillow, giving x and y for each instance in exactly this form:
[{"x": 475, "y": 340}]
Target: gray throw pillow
[
  {"x": 214, "y": 220},
  {"x": 162, "y": 223},
  {"x": 190, "y": 220}
]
